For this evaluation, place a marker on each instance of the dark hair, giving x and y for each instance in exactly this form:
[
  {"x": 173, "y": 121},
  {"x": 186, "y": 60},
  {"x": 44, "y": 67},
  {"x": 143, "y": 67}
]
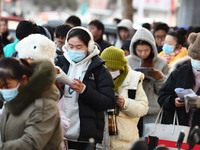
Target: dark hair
[
  {"x": 126, "y": 44},
  {"x": 141, "y": 42},
  {"x": 51, "y": 31},
  {"x": 62, "y": 30},
  {"x": 146, "y": 25},
  {"x": 74, "y": 20},
  {"x": 117, "y": 20},
  {"x": 179, "y": 35},
  {"x": 193, "y": 28},
  {"x": 44, "y": 31},
  {"x": 97, "y": 24},
  {"x": 12, "y": 68},
  {"x": 122, "y": 28},
  {"x": 81, "y": 34},
  {"x": 161, "y": 26},
  {"x": 26, "y": 28}
]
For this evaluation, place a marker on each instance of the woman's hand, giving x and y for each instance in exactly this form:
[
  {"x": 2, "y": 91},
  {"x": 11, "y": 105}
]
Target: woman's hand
[
  {"x": 78, "y": 86},
  {"x": 179, "y": 104},
  {"x": 156, "y": 74},
  {"x": 120, "y": 101}
]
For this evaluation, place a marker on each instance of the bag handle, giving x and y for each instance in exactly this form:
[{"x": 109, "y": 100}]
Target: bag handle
[
  {"x": 159, "y": 119},
  {"x": 175, "y": 120}
]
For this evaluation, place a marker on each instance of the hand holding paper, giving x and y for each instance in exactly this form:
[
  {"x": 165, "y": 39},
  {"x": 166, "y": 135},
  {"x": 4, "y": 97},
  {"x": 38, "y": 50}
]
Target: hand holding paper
[
  {"x": 62, "y": 77},
  {"x": 187, "y": 95},
  {"x": 145, "y": 70},
  {"x": 155, "y": 73}
]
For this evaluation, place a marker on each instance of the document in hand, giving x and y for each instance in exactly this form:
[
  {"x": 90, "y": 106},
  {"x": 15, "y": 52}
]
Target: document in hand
[
  {"x": 186, "y": 95},
  {"x": 145, "y": 70},
  {"x": 62, "y": 77}
]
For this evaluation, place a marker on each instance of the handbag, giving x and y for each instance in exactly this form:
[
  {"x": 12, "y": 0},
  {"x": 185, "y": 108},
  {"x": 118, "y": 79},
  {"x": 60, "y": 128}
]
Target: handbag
[{"x": 169, "y": 132}]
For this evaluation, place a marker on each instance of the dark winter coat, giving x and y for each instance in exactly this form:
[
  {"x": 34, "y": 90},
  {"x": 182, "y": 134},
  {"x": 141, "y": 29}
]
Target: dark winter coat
[
  {"x": 181, "y": 77},
  {"x": 102, "y": 44},
  {"x": 97, "y": 97}
]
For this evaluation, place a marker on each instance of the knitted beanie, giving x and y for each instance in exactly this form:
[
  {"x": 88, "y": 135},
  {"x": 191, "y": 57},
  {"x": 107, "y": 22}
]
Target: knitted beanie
[
  {"x": 194, "y": 47},
  {"x": 37, "y": 47},
  {"x": 114, "y": 58}
]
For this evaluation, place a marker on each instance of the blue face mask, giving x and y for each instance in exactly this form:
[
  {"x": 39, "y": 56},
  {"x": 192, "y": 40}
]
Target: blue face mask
[
  {"x": 195, "y": 64},
  {"x": 76, "y": 56},
  {"x": 9, "y": 94},
  {"x": 58, "y": 49},
  {"x": 168, "y": 48}
]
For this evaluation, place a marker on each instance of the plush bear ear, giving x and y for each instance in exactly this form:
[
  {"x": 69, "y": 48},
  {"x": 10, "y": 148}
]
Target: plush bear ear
[{"x": 192, "y": 37}]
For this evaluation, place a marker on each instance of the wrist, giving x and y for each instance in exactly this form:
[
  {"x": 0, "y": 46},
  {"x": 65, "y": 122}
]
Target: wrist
[{"x": 83, "y": 89}]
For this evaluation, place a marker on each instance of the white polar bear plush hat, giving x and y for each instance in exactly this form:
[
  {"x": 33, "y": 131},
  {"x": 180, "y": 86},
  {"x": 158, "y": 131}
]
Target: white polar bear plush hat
[{"x": 37, "y": 47}]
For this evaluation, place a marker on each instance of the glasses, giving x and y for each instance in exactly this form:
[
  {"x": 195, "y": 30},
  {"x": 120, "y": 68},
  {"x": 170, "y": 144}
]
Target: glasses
[{"x": 59, "y": 43}]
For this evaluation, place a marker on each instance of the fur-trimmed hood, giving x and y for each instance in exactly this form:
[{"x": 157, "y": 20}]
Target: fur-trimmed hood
[
  {"x": 40, "y": 85},
  {"x": 179, "y": 62}
]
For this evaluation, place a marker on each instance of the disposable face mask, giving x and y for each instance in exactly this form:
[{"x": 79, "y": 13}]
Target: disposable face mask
[
  {"x": 115, "y": 74},
  {"x": 58, "y": 49},
  {"x": 195, "y": 64},
  {"x": 9, "y": 94},
  {"x": 76, "y": 56},
  {"x": 168, "y": 48}
]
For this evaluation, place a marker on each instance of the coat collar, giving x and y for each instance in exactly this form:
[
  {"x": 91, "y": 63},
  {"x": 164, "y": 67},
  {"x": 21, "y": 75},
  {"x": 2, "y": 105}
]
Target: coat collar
[{"x": 38, "y": 86}]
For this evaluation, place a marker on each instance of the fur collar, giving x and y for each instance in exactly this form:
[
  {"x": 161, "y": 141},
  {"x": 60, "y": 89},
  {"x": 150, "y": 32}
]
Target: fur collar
[
  {"x": 179, "y": 62},
  {"x": 40, "y": 82}
]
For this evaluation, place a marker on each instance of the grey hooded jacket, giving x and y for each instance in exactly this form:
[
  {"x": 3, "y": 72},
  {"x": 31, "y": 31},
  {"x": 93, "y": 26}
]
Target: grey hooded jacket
[
  {"x": 151, "y": 87},
  {"x": 125, "y": 23}
]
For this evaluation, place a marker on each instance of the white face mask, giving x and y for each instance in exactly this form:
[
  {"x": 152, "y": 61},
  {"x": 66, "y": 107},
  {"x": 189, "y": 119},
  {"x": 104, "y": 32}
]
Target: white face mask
[
  {"x": 115, "y": 74},
  {"x": 195, "y": 64}
]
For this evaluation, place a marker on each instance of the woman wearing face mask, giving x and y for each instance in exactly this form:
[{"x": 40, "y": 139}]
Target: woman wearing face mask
[
  {"x": 92, "y": 92},
  {"x": 173, "y": 46},
  {"x": 185, "y": 75},
  {"x": 30, "y": 118},
  {"x": 143, "y": 53},
  {"x": 132, "y": 100}
]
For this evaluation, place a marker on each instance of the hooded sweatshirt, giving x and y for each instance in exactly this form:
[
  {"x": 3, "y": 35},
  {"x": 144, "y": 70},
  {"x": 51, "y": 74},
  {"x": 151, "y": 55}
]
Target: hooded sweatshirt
[
  {"x": 76, "y": 70},
  {"x": 151, "y": 87},
  {"x": 125, "y": 23}
]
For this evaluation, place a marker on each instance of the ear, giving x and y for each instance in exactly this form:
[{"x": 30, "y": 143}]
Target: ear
[
  {"x": 23, "y": 81},
  {"x": 179, "y": 46},
  {"x": 192, "y": 37},
  {"x": 100, "y": 32},
  {"x": 24, "y": 78}
]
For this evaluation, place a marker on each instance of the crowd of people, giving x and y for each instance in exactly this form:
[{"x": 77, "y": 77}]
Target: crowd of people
[{"x": 135, "y": 76}]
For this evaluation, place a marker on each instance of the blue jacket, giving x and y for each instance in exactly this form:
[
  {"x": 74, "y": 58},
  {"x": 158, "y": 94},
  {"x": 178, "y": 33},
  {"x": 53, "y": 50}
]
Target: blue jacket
[{"x": 10, "y": 48}]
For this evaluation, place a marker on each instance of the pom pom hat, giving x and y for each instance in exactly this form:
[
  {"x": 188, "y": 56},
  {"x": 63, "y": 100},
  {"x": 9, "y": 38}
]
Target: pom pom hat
[
  {"x": 114, "y": 58},
  {"x": 37, "y": 47},
  {"x": 194, "y": 48}
]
